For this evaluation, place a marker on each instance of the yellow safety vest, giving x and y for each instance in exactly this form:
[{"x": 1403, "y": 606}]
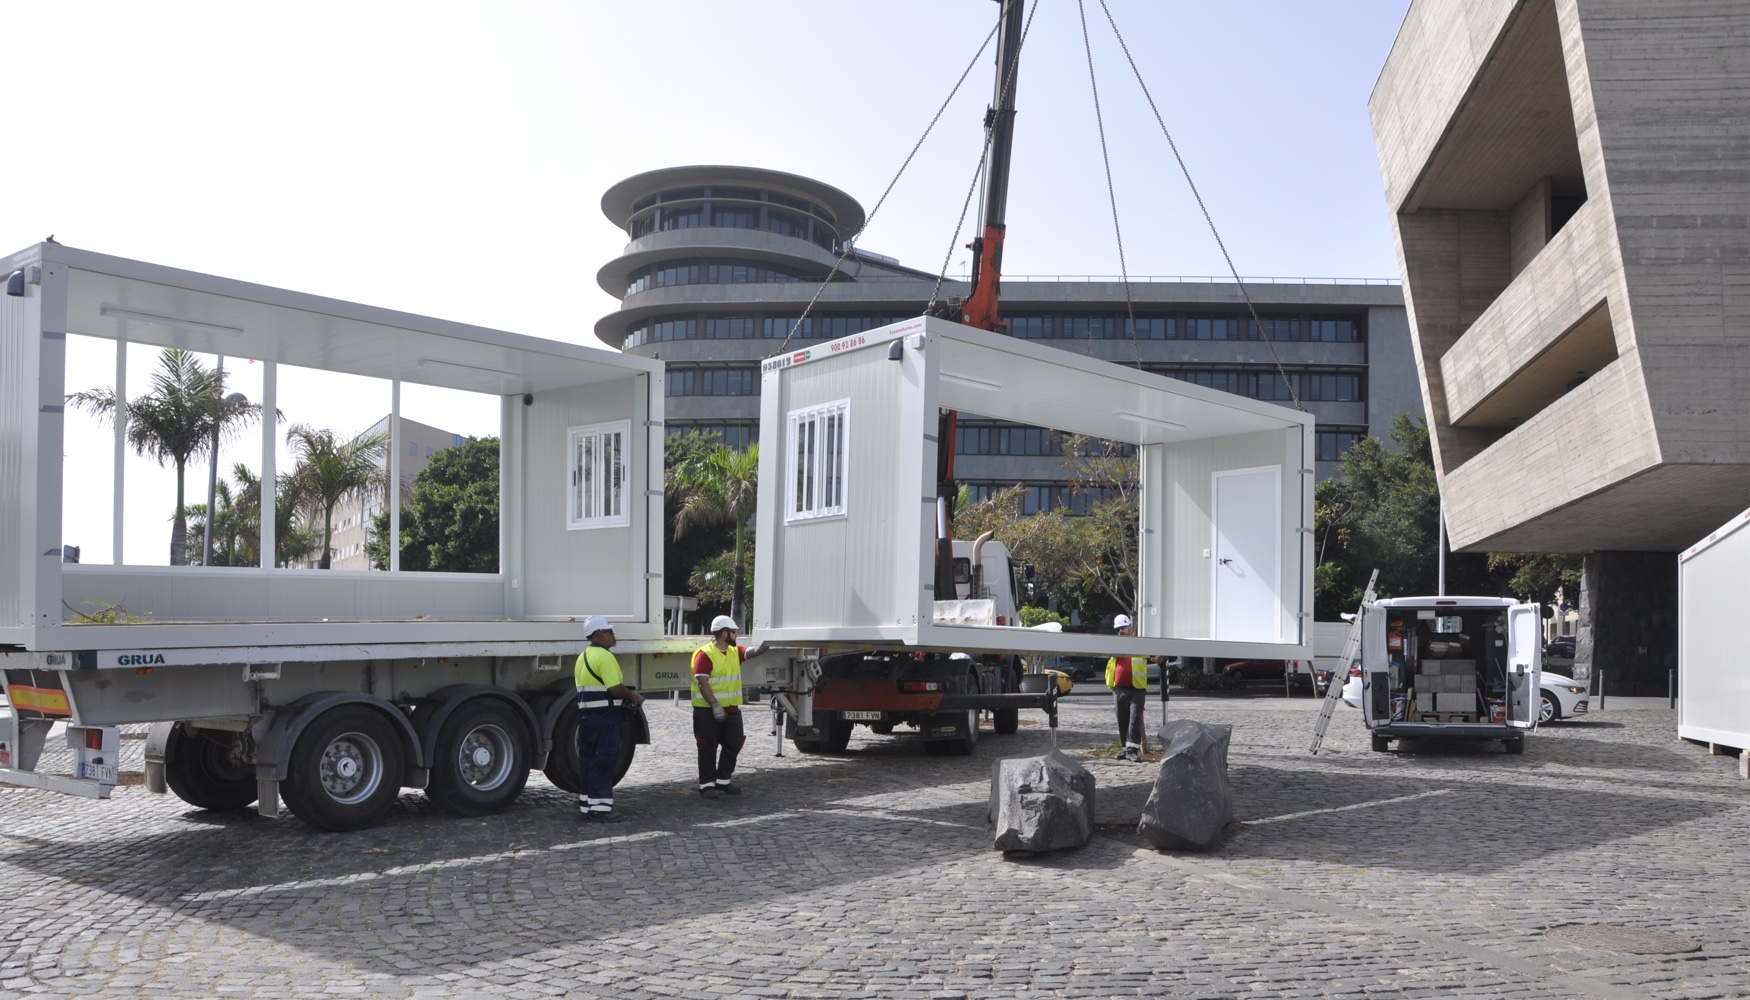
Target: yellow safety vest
[
  {"x": 1138, "y": 672},
  {"x": 725, "y": 677},
  {"x": 597, "y": 670}
]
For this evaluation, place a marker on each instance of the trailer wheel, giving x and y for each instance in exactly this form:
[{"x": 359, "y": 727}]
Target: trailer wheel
[
  {"x": 1381, "y": 744},
  {"x": 481, "y": 763},
  {"x": 967, "y": 744},
  {"x": 837, "y": 735},
  {"x": 207, "y": 774},
  {"x": 562, "y": 768},
  {"x": 345, "y": 770},
  {"x": 1516, "y": 744}
]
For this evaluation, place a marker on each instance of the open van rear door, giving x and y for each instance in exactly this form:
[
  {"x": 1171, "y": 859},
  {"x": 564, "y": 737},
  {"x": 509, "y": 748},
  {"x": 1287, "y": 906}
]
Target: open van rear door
[
  {"x": 1524, "y": 665},
  {"x": 1375, "y": 667}
]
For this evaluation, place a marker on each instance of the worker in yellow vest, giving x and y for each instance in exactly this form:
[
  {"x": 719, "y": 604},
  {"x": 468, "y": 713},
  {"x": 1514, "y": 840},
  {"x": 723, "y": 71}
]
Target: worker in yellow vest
[
  {"x": 602, "y": 698},
  {"x": 717, "y": 708},
  {"x": 1128, "y": 678}
]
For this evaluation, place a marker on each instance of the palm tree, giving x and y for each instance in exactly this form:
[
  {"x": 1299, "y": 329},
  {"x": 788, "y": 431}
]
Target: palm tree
[
  {"x": 330, "y": 471},
  {"x": 185, "y": 414},
  {"x": 720, "y": 486}
]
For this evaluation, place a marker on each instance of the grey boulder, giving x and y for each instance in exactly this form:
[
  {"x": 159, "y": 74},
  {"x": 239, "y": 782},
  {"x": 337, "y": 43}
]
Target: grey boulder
[
  {"x": 1191, "y": 801},
  {"x": 1041, "y": 803}
]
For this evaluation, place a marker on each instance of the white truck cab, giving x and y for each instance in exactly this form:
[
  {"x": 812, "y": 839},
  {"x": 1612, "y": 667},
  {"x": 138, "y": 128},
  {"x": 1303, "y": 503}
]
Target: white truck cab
[{"x": 1450, "y": 668}]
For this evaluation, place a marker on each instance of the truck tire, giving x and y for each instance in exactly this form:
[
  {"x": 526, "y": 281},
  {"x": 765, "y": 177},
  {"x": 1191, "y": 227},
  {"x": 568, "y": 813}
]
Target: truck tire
[
  {"x": 562, "y": 769},
  {"x": 1381, "y": 744},
  {"x": 205, "y": 773},
  {"x": 1516, "y": 744},
  {"x": 1007, "y": 721},
  {"x": 836, "y": 738},
  {"x": 481, "y": 763},
  {"x": 345, "y": 770},
  {"x": 967, "y": 743}
]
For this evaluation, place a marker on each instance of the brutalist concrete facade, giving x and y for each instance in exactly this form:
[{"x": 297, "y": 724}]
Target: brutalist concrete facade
[{"x": 1570, "y": 185}]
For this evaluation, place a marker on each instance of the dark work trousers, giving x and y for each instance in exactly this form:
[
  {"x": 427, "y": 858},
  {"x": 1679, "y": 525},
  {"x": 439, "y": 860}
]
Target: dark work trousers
[
  {"x": 598, "y": 756},
  {"x": 715, "y": 768},
  {"x": 1129, "y": 701}
]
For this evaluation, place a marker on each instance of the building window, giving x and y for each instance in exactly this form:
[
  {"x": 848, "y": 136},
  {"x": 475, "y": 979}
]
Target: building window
[
  {"x": 1330, "y": 445},
  {"x": 1212, "y": 328},
  {"x": 817, "y": 449},
  {"x": 1154, "y": 328},
  {"x": 597, "y": 456},
  {"x": 712, "y": 382},
  {"x": 736, "y": 435}
]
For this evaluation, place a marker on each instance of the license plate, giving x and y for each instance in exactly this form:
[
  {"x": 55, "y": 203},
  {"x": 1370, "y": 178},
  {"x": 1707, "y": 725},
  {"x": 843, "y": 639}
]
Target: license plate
[
  {"x": 103, "y": 773},
  {"x": 865, "y": 716}
]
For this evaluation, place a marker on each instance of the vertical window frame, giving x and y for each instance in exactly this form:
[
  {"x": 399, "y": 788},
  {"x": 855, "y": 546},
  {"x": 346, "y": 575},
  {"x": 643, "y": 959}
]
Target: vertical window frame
[
  {"x": 602, "y": 455},
  {"x": 817, "y": 452}
]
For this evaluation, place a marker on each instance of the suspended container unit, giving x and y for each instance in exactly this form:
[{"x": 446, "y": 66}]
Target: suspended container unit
[
  {"x": 848, "y": 513},
  {"x": 454, "y": 682},
  {"x": 1713, "y": 594}
]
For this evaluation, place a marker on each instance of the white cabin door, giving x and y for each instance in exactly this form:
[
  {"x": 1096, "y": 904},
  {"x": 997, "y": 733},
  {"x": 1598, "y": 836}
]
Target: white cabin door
[{"x": 1247, "y": 595}]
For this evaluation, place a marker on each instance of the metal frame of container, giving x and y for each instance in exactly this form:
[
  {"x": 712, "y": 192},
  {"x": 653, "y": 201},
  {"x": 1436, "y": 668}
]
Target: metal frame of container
[
  {"x": 864, "y": 576},
  {"x": 1713, "y": 684},
  {"x": 550, "y": 577}
]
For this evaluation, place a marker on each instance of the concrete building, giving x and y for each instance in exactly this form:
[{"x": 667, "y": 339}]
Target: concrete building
[
  {"x": 1568, "y": 186},
  {"x": 352, "y": 518},
  {"x": 723, "y": 260}
]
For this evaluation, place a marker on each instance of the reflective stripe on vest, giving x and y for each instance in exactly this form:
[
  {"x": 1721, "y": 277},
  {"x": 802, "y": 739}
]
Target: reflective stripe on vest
[
  {"x": 593, "y": 694},
  {"x": 725, "y": 677}
]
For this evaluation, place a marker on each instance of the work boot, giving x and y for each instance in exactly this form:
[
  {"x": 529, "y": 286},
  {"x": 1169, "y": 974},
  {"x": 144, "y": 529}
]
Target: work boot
[
  {"x": 710, "y": 793},
  {"x": 728, "y": 789},
  {"x": 604, "y": 817}
]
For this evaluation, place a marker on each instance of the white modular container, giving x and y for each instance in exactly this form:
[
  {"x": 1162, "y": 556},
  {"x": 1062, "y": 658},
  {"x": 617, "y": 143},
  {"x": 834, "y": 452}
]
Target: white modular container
[
  {"x": 1713, "y": 594},
  {"x": 560, "y": 557},
  {"x": 847, "y": 494}
]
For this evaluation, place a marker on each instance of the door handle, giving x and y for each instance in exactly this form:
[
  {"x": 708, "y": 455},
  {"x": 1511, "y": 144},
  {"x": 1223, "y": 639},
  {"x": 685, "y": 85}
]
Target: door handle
[{"x": 1225, "y": 562}]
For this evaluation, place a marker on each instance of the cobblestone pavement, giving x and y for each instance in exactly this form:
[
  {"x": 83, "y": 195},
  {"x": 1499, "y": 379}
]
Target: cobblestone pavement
[{"x": 1429, "y": 873}]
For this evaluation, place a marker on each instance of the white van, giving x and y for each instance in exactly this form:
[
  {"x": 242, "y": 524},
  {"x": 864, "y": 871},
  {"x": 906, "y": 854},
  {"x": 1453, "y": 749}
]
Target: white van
[{"x": 1450, "y": 668}]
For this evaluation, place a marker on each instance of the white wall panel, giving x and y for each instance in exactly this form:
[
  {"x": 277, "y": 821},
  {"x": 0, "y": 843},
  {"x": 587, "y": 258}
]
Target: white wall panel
[{"x": 1713, "y": 679}]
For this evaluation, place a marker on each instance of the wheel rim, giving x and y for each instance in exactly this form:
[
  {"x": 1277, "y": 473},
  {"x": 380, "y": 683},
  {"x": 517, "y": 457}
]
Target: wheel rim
[
  {"x": 1546, "y": 709},
  {"x": 484, "y": 757},
  {"x": 352, "y": 768}
]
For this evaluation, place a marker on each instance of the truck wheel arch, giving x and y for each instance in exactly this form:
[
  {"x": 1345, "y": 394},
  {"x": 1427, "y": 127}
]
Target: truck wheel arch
[
  {"x": 274, "y": 745},
  {"x": 436, "y": 708}
]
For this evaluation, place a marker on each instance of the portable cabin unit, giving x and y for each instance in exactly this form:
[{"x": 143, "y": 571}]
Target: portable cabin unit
[
  {"x": 1713, "y": 595},
  {"x": 847, "y": 512},
  {"x": 580, "y": 456}
]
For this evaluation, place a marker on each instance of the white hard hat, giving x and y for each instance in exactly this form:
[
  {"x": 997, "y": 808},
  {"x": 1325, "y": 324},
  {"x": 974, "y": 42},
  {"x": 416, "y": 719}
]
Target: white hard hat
[
  {"x": 1122, "y": 621},
  {"x": 722, "y": 622},
  {"x": 594, "y": 624}
]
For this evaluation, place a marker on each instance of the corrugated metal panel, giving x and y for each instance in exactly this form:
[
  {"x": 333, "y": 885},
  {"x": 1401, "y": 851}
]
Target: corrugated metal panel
[
  {"x": 1714, "y": 683},
  {"x": 20, "y": 341},
  {"x": 587, "y": 571},
  {"x": 840, "y": 572}
]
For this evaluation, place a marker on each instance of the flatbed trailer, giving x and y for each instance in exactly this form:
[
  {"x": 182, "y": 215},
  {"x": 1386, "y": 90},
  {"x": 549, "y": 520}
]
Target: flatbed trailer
[{"x": 327, "y": 690}]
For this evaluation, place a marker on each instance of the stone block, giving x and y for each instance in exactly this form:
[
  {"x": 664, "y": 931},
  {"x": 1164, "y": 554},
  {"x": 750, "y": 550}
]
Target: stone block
[
  {"x": 1041, "y": 803},
  {"x": 1191, "y": 801}
]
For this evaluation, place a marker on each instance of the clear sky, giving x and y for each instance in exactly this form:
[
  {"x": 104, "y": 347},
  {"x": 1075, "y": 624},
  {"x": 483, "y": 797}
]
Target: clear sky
[{"x": 449, "y": 159}]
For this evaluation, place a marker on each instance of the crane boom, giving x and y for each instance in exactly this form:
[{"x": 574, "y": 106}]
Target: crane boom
[{"x": 981, "y": 309}]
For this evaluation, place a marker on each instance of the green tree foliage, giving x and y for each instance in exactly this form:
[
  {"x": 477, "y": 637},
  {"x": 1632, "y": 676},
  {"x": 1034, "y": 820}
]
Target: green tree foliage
[
  {"x": 719, "y": 486},
  {"x": 1384, "y": 512},
  {"x": 683, "y": 555},
  {"x": 330, "y": 470},
  {"x": 1083, "y": 563},
  {"x": 1032, "y": 616},
  {"x": 713, "y": 580},
  {"x": 1537, "y": 577},
  {"x": 449, "y": 523},
  {"x": 178, "y": 420}
]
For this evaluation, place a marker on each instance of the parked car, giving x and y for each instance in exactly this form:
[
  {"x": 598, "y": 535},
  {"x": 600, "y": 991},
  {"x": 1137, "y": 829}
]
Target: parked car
[
  {"x": 1080, "y": 668},
  {"x": 1563, "y": 698},
  {"x": 1560, "y": 646},
  {"x": 1254, "y": 670},
  {"x": 1063, "y": 681}
]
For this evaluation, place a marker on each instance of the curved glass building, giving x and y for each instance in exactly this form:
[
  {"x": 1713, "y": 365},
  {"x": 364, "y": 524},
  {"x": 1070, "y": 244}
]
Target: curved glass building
[{"x": 723, "y": 261}]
